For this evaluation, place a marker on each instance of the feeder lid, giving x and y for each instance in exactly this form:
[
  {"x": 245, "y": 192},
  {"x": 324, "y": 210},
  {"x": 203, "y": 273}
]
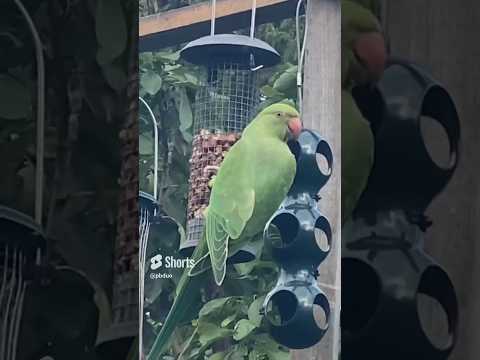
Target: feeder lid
[
  {"x": 208, "y": 49},
  {"x": 22, "y": 226}
]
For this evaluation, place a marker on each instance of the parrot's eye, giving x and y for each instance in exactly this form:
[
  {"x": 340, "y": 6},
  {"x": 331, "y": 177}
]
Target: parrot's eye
[{"x": 279, "y": 114}]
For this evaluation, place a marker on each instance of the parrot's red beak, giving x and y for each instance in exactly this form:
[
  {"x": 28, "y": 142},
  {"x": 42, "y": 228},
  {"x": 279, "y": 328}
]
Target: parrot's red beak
[
  {"x": 371, "y": 51},
  {"x": 295, "y": 127}
]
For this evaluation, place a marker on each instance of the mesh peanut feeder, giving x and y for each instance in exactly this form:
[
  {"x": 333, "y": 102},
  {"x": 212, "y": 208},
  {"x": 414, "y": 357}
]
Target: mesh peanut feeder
[
  {"x": 148, "y": 207},
  {"x": 20, "y": 243},
  {"x": 125, "y": 293},
  {"x": 224, "y": 105},
  {"x": 21, "y": 238}
]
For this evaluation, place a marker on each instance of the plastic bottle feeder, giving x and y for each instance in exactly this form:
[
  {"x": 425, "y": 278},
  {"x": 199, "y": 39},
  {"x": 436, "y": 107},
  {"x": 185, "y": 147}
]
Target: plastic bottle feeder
[
  {"x": 385, "y": 269},
  {"x": 292, "y": 235}
]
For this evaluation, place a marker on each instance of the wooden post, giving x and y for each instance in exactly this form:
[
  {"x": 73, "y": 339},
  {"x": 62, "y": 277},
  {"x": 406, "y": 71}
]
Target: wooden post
[{"x": 322, "y": 112}]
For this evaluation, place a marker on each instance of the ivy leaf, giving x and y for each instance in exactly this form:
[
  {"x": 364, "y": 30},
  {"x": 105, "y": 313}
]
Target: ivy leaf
[
  {"x": 238, "y": 352},
  {"x": 217, "y": 356},
  {"x": 228, "y": 320},
  {"x": 151, "y": 82},
  {"x": 254, "y": 311},
  {"x": 145, "y": 144},
  {"x": 212, "y": 306},
  {"x": 287, "y": 82},
  {"x": 115, "y": 76},
  {"x": 242, "y": 329},
  {"x": 168, "y": 56},
  {"x": 209, "y": 333},
  {"x": 270, "y": 92},
  {"x": 264, "y": 344},
  {"x": 111, "y": 30},
  {"x": 15, "y": 101},
  {"x": 185, "y": 113}
]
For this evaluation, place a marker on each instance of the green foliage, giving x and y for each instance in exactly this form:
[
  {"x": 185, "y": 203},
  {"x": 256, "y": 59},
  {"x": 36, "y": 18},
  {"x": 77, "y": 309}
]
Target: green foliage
[
  {"x": 169, "y": 89},
  {"x": 149, "y": 7},
  {"x": 111, "y": 30}
]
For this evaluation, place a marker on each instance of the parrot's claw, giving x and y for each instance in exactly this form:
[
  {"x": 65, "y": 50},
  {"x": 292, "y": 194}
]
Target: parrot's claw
[
  {"x": 210, "y": 168},
  {"x": 211, "y": 182}
]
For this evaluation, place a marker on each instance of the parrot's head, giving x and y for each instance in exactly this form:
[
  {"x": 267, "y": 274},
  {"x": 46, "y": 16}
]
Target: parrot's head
[
  {"x": 282, "y": 121},
  {"x": 364, "y": 52}
]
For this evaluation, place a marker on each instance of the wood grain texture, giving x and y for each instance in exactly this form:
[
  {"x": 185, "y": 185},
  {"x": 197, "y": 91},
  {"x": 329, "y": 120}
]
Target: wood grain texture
[
  {"x": 443, "y": 36},
  {"x": 191, "y": 22},
  {"x": 322, "y": 112}
]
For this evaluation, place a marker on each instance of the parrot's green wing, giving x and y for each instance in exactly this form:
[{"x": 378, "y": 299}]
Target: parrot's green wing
[
  {"x": 232, "y": 201},
  {"x": 357, "y": 154}
]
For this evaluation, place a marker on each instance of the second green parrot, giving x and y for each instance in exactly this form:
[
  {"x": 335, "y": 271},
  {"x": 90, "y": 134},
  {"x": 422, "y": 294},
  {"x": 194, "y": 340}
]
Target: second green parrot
[{"x": 363, "y": 61}]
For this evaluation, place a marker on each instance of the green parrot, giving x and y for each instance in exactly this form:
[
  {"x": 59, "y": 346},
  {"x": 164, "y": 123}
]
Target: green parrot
[
  {"x": 252, "y": 181},
  {"x": 363, "y": 62},
  {"x": 375, "y": 6}
]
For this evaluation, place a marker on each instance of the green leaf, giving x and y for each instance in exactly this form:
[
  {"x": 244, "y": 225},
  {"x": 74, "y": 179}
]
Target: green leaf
[
  {"x": 217, "y": 356},
  {"x": 185, "y": 113},
  {"x": 115, "y": 76},
  {"x": 264, "y": 344},
  {"x": 238, "y": 352},
  {"x": 151, "y": 82},
  {"x": 269, "y": 92},
  {"x": 287, "y": 82},
  {"x": 111, "y": 30},
  {"x": 168, "y": 56},
  {"x": 242, "y": 329},
  {"x": 213, "y": 305},
  {"x": 254, "y": 311},
  {"x": 209, "y": 333},
  {"x": 145, "y": 144},
  {"x": 15, "y": 101},
  {"x": 228, "y": 320}
]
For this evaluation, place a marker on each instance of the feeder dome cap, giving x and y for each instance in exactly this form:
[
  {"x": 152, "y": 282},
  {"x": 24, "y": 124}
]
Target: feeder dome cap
[
  {"x": 25, "y": 229},
  {"x": 209, "y": 49}
]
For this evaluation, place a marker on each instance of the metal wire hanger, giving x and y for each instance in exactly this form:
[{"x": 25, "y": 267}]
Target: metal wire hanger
[{"x": 144, "y": 229}]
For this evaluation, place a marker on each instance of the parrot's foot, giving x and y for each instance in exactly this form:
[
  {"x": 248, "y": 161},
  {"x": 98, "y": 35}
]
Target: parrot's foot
[
  {"x": 211, "y": 182},
  {"x": 210, "y": 169}
]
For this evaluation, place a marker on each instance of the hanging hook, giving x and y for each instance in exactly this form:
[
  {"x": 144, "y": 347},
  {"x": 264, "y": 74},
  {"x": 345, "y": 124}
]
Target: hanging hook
[
  {"x": 252, "y": 21},
  {"x": 300, "y": 52},
  {"x": 155, "y": 149},
  {"x": 212, "y": 17},
  {"x": 39, "y": 168}
]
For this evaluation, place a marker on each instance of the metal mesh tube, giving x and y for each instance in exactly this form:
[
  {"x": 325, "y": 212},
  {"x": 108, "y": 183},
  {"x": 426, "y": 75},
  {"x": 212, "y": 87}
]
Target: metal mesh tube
[
  {"x": 144, "y": 231},
  {"x": 224, "y": 106},
  {"x": 12, "y": 291},
  {"x": 227, "y": 101}
]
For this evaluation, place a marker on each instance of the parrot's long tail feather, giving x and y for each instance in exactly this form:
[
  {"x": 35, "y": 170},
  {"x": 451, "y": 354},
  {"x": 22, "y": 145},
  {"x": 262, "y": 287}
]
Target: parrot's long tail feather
[{"x": 187, "y": 290}]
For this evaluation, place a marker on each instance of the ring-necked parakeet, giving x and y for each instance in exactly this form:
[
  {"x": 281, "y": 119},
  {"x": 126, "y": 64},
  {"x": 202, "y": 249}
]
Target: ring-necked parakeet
[
  {"x": 250, "y": 185},
  {"x": 363, "y": 61}
]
